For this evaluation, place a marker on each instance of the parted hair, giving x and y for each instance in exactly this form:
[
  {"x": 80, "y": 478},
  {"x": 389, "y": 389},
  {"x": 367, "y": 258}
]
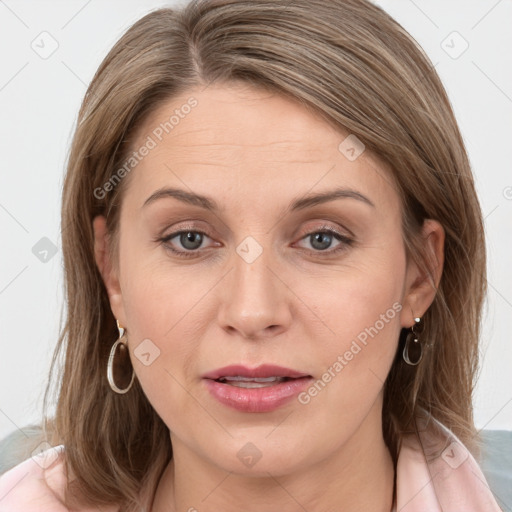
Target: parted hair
[{"x": 348, "y": 61}]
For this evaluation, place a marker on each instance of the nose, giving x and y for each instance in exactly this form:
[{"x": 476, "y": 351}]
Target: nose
[{"x": 255, "y": 302}]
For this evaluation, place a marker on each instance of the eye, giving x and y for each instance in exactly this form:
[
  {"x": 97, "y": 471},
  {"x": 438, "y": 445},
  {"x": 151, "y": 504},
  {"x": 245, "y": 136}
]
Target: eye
[
  {"x": 190, "y": 240},
  {"x": 321, "y": 239}
]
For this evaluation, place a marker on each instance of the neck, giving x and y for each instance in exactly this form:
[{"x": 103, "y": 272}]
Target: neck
[{"x": 359, "y": 475}]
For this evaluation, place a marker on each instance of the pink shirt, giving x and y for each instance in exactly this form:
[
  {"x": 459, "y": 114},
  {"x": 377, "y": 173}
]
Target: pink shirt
[{"x": 435, "y": 473}]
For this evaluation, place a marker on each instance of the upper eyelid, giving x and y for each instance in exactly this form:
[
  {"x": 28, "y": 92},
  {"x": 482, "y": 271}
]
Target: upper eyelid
[
  {"x": 326, "y": 224},
  {"x": 196, "y": 225}
]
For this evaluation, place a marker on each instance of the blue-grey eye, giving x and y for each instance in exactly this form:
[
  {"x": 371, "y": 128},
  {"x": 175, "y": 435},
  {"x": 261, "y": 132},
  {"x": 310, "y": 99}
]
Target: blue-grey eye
[
  {"x": 320, "y": 240},
  {"x": 191, "y": 239}
]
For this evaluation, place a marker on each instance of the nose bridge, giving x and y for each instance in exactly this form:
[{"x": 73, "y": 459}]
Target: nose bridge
[{"x": 254, "y": 298}]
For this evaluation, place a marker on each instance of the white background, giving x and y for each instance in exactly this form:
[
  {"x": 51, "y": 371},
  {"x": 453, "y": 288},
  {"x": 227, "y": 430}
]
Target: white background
[{"x": 39, "y": 102}]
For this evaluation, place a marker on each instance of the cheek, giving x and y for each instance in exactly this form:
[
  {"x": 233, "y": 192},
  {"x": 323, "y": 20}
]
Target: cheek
[
  {"x": 156, "y": 293},
  {"x": 156, "y": 302},
  {"x": 362, "y": 294},
  {"x": 362, "y": 312},
  {"x": 361, "y": 323}
]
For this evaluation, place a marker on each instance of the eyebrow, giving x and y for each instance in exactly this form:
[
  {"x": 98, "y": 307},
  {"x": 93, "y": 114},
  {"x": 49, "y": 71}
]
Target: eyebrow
[{"x": 298, "y": 204}]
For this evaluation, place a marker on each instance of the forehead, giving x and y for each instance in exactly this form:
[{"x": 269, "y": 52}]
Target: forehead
[
  {"x": 239, "y": 115},
  {"x": 222, "y": 135}
]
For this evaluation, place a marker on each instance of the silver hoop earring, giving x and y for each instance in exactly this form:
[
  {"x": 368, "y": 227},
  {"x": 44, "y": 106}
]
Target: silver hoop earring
[
  {"x": 413, "y": 350},
  {"x": 126, "y": 358}
]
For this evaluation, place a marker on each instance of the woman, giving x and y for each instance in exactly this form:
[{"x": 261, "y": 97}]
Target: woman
[{"x": 275, "y": 267}]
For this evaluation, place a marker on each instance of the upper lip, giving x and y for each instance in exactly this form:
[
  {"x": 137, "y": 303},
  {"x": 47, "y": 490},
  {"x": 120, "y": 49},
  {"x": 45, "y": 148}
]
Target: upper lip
[{"x": 265, "y": 370}]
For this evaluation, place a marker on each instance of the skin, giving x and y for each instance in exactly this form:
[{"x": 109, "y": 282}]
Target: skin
[{"x": 254, "y": 152}]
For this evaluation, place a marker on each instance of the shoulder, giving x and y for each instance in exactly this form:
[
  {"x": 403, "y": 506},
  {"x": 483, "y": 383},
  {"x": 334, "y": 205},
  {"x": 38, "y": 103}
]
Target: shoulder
[
  {"x": 37, "y": 483},
  {"x": 435, "y": 472}
]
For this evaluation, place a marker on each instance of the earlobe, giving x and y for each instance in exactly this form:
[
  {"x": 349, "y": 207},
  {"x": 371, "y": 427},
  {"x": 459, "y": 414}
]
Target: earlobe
[
  {"x": 422, "y": 283},
  {"x": 104, "y": 263}
]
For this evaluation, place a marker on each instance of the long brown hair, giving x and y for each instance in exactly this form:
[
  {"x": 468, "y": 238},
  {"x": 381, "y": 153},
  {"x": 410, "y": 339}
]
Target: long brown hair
[{"x": 359, "y": 69}]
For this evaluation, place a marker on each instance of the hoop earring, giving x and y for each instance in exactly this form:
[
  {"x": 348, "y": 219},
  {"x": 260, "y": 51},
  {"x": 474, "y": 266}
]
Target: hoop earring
[
  {"x": 413, "y": 349},
  {"x": 110, "y": 364}
]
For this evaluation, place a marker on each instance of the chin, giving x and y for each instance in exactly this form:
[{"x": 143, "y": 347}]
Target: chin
[{"x": 258, "y": 455}]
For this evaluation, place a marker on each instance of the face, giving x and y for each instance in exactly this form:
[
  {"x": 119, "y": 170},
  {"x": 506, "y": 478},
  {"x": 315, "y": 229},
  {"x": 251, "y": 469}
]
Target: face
[{"x": 262, "y": 276}]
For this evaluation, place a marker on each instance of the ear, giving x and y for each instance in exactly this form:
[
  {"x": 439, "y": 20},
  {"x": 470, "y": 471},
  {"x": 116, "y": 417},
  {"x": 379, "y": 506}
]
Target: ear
[
  {"x": 106, "y": 268},
  {"x": 420, "y": 285}
]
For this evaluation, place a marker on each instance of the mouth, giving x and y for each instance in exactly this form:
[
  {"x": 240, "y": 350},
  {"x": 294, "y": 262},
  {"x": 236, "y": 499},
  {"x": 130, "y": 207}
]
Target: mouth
[{"x": 260, "y": 389}]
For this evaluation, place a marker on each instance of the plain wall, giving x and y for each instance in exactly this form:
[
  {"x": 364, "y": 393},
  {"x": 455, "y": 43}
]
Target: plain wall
[{"x": 39, "y": 101}]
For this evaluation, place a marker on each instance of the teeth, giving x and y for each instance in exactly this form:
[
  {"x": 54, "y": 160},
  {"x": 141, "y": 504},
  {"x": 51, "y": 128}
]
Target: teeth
[
  {"x": 248, "y": 382},
  {"x": 252, "y": 379}
]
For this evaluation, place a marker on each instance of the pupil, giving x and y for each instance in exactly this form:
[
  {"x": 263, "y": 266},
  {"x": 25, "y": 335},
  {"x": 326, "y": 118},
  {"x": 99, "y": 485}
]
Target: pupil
[
  {"x": 192, "y": 238},
  {"x": 320, "y": 237}
]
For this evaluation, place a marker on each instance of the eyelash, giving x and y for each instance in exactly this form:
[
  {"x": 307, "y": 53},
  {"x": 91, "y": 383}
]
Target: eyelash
[{"x": 345, "y": 241}]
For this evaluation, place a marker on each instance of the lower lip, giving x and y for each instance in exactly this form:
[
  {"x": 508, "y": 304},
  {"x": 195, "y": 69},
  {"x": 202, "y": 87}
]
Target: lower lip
[{"x": 263, "y": 399}]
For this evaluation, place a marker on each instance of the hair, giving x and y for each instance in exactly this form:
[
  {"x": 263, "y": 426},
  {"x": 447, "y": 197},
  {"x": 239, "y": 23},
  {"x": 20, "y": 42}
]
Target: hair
[{"x": 351, "y": 63}]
